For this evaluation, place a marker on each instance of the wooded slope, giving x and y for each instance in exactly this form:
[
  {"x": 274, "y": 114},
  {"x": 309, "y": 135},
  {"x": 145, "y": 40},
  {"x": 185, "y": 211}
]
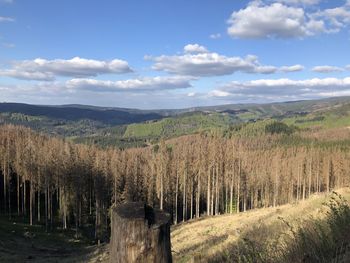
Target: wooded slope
[{"x": 57, "y": 183}]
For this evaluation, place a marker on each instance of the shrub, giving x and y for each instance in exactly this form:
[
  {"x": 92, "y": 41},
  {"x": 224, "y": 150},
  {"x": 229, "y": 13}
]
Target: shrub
[{"x": 279, "y": 128}]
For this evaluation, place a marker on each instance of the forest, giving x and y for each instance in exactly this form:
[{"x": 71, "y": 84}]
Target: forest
[{"x": 53, "y": 182}]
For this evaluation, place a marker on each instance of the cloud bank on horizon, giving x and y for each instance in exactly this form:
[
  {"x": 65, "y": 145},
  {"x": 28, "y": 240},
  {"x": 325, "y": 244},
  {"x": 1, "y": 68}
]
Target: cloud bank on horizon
[{"x": 263, "y": 51}]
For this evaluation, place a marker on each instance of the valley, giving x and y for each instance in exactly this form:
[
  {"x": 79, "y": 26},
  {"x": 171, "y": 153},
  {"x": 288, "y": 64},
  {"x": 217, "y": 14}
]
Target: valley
[{"x": 57, "y": 190}]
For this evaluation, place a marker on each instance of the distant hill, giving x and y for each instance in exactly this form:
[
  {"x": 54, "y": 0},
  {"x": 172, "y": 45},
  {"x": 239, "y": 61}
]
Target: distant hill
[
  {"x": 132, "y": 127},
  {"x": 115, "y": 116},
  {"x": 111, "y": 116}
]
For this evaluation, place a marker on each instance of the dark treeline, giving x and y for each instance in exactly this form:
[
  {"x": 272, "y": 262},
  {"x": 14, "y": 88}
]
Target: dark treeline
[{"x": 60, "y": 184}]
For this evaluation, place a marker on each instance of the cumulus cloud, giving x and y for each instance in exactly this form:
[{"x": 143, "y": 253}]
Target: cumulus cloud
[
  {"x": 337, "y": 18},
  {"x": 131, "y": 85},
  {"x": 57, "y": 93},
  {"x": 42, "y": 69},
  {"x": 282, "y": 89},
  {"x": 286, "y": 19},
  {"x": 208, "y": 64},
  {"x": 300, "y": 2},
  {"x": 195, "y": 48},
  {"x": 293, "y": 68},
  {"x": 27, "y": 75},
  {"x": 6, "y": 19},
  {"x": 219, "y": 93},
  {"x": 267, "y": 21},
  {"x": 326, "y": 69}
]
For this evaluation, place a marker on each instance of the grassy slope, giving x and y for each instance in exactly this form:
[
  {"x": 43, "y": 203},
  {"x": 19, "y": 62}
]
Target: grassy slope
[{"x": 212, "y": 237}]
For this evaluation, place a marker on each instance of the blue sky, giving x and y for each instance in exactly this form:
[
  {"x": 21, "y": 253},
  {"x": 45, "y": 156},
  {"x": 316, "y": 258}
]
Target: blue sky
[{"x": 173, "y": 54}]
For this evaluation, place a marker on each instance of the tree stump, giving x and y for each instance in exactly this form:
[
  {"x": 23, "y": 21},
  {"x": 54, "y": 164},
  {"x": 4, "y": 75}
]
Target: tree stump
[{"x": 140, "y": 234}]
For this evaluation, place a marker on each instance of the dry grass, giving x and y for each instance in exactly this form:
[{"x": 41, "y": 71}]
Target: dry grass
[{"x": 209, "y": 239}]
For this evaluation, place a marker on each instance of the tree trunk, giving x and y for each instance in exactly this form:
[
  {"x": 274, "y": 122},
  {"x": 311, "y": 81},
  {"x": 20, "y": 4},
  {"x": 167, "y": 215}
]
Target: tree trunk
[
  {"x": 217, "y": 191},
  {"x": 176, "y": 197},
  {"x": 184, "y": 201},
  {"x": 208, "y": 192},
  {"x": 5, "y": 190},
  {"x": 198, "y": 194},
  {"x": 231, "y": 194},
  {"x": 31, "y": 203},
  {"x": 191, "y": 201},
  {"x": 46, "y": 208},
  {"x": 238, "y": 185},
  {"x": 161, "y": 190},
  {"x": 24, "y": 199},
  {"x": 18, "y": 195},
  {"x": 310, "y": 177},
  {"x": 39, "y": 215},
  {"x": 212, "y": 194},
  {"x": 298, "y": 184},
  {"x": 140, "y": 234}
]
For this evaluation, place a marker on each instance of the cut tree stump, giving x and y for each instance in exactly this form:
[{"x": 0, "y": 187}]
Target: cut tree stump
[{"x": 140, "y": 234}]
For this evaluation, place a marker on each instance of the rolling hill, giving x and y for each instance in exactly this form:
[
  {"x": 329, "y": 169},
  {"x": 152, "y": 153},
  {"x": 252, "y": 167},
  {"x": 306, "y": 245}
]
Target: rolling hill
[{"x": 122, "y": 127}]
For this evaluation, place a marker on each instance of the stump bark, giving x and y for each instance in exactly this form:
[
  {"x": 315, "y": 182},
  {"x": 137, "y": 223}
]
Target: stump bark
[{"x": 140, "y": 234}]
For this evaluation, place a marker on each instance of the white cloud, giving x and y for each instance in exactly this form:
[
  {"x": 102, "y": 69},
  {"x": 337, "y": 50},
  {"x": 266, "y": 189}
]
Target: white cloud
[
  {"x": 209, "y": 64},
  {"x": 348, "y": 67},
  {"x": 267, "y": 21},
  {"x": 6, "y": 19},
  {"x": 282, "y": 89},
  {"x": 293, "y": 68},
  {"x": 42, "y": 69},
  {"x": 57, "y": 93},
  {"x": 286, "y": 19},
  {"x": 219, "y": 93},
  {"x": 195, "y": 48},
  {"x": 215, "y": 36},
  {"x": 326, "y": 69},
  {"x": 300, "y": 2},
  {"x": 131, "y": 85},
  {"x": 337, "y": 18},
  {"x": 27, "y": 75}
]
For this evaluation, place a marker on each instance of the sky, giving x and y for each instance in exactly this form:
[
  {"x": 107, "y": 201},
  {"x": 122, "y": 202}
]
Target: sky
[{"x": 173, "y": 54}]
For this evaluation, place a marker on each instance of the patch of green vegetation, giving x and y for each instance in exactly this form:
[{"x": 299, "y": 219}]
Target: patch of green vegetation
[
  {"x": 279, "y": 128},
  {"x": 20, "y": 117},
  {"x": 248, "y": 129},
  {"x": 176, "y": 126},
  {"x": 247, "y": 116},
  {"x": 322, "y": 120}
]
